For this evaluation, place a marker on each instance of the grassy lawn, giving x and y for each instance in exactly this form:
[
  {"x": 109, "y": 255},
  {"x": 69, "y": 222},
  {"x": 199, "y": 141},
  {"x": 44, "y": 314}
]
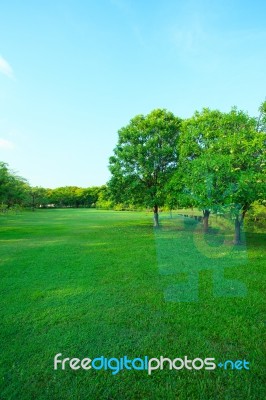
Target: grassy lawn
[{"x": 87, "y": 283}]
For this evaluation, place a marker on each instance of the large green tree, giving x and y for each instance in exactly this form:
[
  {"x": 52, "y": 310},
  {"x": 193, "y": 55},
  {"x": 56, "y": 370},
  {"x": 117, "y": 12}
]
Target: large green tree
[
  {"x": 145, "y": 159},
  {"x": 223, "y": 163}
]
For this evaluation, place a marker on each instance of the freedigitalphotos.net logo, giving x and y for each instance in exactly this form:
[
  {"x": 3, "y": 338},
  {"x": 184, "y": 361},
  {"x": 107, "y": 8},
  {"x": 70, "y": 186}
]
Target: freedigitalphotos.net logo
[{"x": 145, "y": 364}]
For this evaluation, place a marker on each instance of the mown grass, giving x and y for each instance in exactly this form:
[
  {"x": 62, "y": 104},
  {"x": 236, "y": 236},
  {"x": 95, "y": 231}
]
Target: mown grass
[{"x": 87, "y": 283}]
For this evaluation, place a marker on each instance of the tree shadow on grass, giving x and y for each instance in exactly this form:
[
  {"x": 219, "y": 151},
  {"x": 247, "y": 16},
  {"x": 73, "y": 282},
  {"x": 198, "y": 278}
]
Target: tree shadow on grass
[{"x": 256, "y": 239}]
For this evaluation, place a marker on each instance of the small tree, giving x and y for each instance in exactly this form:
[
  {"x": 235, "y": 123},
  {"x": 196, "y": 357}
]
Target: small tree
[
  {"x": 145, "y": 159},
  {"x": 37, "y": 196}
]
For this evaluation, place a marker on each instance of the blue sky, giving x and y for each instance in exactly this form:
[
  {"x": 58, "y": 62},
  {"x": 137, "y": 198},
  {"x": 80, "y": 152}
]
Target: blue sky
[{"x": 72, "y": 72}]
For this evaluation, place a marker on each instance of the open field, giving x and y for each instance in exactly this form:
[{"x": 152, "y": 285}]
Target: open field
[{"x": 87, "y": 283}]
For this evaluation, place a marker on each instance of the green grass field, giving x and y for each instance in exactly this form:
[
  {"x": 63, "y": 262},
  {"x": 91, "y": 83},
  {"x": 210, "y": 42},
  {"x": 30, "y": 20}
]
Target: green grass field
[{"x": 87, "y": 283}]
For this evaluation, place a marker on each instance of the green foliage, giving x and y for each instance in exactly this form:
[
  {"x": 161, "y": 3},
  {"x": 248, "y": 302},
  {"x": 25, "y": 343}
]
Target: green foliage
[
  {"x": 103, "y": 201},
  {"x": 144, "y": 159},
  {"x": 70, "y": 196},
  {"x": 13, "y": 188},
  {"x": 261, "y": 124},
  {"x": 37, "y": 197},
  {"x": 222, "y": 161},
  {"x": 256, "y": 217},
  {"x": 214, "y": 161}
]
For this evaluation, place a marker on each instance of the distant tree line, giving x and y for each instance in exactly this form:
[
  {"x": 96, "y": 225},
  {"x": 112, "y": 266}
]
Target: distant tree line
[
  {"x": 67, "y": 196},
  {"x": 16, "y": 192}
]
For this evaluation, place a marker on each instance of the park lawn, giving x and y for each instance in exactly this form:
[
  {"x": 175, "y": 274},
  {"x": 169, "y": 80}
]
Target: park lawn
[{"x": 87, "y": 283}]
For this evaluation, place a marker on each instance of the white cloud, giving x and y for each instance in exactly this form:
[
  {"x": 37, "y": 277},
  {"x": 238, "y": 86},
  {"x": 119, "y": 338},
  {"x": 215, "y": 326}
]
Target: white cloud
[
  {"x": 5, "y": 68},
  {"x": 6, "y": 144}
]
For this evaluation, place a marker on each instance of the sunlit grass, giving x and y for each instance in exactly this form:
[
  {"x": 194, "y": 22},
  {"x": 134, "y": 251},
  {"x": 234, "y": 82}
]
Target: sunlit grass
[{"x": 87, "y": 283}]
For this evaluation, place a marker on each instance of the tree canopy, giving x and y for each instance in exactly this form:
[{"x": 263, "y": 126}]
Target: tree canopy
[
  {"x": 222, "y": 163},
  {"x": 145, "y": 158}
]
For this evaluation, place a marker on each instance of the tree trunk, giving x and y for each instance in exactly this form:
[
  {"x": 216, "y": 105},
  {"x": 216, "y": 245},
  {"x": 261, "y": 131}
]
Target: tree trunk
[
  {"x": 206, "y": 214},
  {"x": 238, "y": 222},
  {"x": 156, "y": 216},
  {"x": 237, "y": 239}
]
